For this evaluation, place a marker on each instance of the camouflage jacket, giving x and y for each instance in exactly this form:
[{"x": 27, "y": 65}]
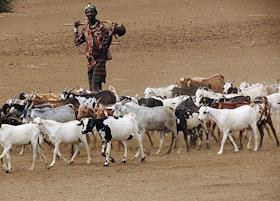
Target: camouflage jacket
[{"x": 98, "y": 38}]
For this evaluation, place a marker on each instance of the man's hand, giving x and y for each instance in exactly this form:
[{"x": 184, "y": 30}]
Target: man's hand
[{"x": 77, "y": 24}]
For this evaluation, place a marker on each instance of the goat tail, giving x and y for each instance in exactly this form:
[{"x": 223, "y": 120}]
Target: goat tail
[{"x": 113, "y": 89}]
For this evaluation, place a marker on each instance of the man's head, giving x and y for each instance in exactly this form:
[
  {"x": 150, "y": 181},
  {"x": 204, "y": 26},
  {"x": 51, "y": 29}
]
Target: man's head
[{"x": 91, "y": 12}]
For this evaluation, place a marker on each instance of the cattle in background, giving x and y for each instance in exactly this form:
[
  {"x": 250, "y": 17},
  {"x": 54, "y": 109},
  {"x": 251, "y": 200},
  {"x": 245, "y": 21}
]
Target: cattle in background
[{"x": 215, "y": 82}]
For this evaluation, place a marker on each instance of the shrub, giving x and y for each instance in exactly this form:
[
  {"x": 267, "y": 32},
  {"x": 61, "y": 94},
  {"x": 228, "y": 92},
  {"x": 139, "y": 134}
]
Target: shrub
[{"x": 5, "y": 6}]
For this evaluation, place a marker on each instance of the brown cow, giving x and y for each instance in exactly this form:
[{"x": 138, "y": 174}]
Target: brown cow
[{"x": 215, "y": 82}]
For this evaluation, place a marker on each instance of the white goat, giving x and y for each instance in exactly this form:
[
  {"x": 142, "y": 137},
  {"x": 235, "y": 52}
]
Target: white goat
[
  {"x": 69, "y": 133},
  {"x": 120, "y": 129},
  {"x": 172, "y": 102},
  {"x": 254, "y": 91},
  {"x": 232, "y": 120},
  {"x": 20, "y": 135},
  {"x": 164, "y": 92},
  {"x": 159, "y": 118},
  {"x": 274, "y": 106}
]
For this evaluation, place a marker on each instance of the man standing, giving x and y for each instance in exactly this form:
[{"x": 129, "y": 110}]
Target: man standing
[{"x": 98, "y": 38}]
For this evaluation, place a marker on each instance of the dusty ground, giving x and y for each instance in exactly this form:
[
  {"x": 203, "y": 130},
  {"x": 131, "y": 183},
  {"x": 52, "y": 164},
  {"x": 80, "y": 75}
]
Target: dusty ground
[{"x": 165, "y": 40}]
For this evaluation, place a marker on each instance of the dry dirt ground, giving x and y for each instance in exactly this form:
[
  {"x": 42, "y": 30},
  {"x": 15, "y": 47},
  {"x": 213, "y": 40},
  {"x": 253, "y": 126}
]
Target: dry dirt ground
[{"x": 165, "y": 40}]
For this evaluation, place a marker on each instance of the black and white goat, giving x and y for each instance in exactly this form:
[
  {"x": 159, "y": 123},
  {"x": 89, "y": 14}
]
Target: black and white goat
[{"x": 110, "y": 128}]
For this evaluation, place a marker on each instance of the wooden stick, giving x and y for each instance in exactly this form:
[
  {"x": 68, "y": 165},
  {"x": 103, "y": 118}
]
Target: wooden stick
[
  {"x": 71, "y": 24},
  {"x": 83, "y": 23}
]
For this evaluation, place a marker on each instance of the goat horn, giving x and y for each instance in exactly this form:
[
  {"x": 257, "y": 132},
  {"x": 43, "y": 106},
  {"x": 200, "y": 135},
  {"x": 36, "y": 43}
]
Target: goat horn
[
  {"x": 70, "y": 90},
  {"x": 32, "y": 104}
]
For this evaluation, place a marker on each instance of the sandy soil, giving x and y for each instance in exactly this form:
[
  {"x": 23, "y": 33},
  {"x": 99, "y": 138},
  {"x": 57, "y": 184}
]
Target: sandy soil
[{"x": 165, "y": 40}]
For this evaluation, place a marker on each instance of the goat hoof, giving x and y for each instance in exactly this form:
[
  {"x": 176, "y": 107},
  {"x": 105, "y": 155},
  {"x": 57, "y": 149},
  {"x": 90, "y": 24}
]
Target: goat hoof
[
  {"x": 237, "y": 150},
  {"x": 8, "y": 171},
  {"x": 148, "y": 152},
  {"x": 124, "y": 162},
  {"x": 106, "y": 165},
  {"x": 220, "y": 153},
  {"x": 142, "y": 160},
  {"x": 112, "y": 159},
  {"x": 49, "y": 167},
  {"x": 70, "y": 162},
  {"x": 88, "y": 162}
]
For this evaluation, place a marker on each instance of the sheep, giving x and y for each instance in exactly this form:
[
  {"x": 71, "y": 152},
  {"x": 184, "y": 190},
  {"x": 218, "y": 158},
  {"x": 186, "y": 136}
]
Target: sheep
[
  {"x": 230, "y": 120},
  {"x": 20, "y": 135},
  {"x": 69, "y": 133},
  {"x": 110, "y": 128},
  {"x": 159, "y": 118}
]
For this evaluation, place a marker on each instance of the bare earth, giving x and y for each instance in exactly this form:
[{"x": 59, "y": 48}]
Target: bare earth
[{"x": 165, "y": 40}]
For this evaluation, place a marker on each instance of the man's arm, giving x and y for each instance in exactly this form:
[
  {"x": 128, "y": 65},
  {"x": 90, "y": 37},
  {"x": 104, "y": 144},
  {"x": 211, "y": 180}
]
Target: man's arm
[{"x": 79, "y": 38}]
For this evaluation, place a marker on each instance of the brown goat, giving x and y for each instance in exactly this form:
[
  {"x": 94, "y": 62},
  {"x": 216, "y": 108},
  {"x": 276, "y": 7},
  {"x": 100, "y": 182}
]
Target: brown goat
[
  {"x": 45, "y": 97},
  {"x": 215, "y": 82}
]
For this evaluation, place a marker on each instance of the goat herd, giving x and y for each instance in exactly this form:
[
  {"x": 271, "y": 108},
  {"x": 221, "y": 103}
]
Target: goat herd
[{"x": 195, "y": 106}]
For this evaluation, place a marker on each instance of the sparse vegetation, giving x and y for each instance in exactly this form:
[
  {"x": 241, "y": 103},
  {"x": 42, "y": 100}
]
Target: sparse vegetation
[{"x": 6, "y": 6}]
